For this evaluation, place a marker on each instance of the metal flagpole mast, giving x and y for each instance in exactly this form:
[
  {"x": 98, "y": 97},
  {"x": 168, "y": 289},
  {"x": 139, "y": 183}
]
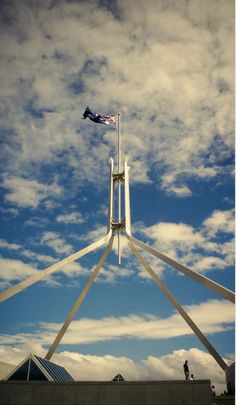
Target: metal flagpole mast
[
  {"x": 116, "y": 225},
  {"x": 119, "y": 185}
]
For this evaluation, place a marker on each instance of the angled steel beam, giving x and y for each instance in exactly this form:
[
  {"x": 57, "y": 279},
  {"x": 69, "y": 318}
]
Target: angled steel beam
[
  {"x": 111, "y": 197},
  {"x": 51, "y": 269},
  {"x": 79, "y": 301},
  {"x": 217, "y": 288},
  {"x": 127, "y": 200},
  {"x": 179, "y": 308},
  {"x": 119, "y": 187},
  {"x": 55, "y": 267}
]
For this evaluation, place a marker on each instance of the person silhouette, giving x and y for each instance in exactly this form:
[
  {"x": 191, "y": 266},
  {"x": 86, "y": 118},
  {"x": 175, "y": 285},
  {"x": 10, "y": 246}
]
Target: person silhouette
[{"x": 186, "y": 370}]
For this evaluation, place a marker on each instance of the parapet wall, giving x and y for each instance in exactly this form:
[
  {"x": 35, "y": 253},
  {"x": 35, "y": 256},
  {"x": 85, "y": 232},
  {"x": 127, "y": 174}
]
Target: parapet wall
[{"x": 106, "y": 393}]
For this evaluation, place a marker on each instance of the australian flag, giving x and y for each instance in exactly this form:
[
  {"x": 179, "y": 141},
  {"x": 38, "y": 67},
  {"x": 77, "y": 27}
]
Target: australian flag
[{"x": 110, "y": 120}]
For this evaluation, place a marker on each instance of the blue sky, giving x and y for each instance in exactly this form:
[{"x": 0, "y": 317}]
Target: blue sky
[{"x": 168, "y": 68}]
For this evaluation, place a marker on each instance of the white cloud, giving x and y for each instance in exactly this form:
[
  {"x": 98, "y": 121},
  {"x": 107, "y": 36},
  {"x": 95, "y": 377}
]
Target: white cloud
[
  {"x": 75, "y": 270},
  {"x": 209, "y": 263},
  {"x": 212, "y": 316},
  {"x": 9, "y": 211},
  {"x": 104, "y": 368},
  {"x": 56, "y": 242},
  {"x": 28, "y": 193},
  {"x": 14, "y": 270},
  {"x": 169, "y": 68},
  {"x": 37, "y": 256},
  {"x": 150, "y": 326},
  {"x": 11, "y": 246},
  {"x": 220, "y": 221},
  {"x": 17, "y": 270},
  {"x": 206, "y": 172},
  {"x": 198, "y": 248},
  {"x": 71, "y": 218},
  {"x": 167, "y": 232},
  {"x": 112, "y": 274},
  {"x": 182, "y": 191},
  {"x": 201, "y": 364},
  {"x": 182, "y": 90},
  {"x": 25, "y": 252},
  {"x": 227, "y": 249},
  {"x": 95, "y": 234}
]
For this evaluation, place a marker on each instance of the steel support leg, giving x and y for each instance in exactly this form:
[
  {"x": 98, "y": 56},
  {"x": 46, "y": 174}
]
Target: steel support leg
[
  {"x": 127, "y": 200},
  {"x": 179, "y": 308},
  {"x": 79, "y": 301},
  {"x": 217, "y": 288},
  {"x": 51, "y": 269},
  {"x": 111, "y": 197}
]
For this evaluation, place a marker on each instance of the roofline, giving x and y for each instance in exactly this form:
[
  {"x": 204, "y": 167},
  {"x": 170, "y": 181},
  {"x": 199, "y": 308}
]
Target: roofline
[
  {"x": 32, "y": 357},
  {"x": 16, "y": 367},
  {"x": 41, "y": 368}
]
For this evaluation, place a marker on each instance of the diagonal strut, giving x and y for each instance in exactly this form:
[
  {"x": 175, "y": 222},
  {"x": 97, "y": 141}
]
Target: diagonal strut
[
  {"x": 217, "y": 288},
  {"x": 79, "y": 300},
  {"x": 51, "y": 269},
  {"x": 179, "y": 308}
]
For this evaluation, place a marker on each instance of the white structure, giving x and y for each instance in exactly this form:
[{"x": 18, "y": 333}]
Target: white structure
[{"x": 116, "y": 225}]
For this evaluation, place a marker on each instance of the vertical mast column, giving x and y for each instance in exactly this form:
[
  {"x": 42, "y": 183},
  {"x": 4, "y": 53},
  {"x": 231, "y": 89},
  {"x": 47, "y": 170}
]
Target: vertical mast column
[
  {"x": 111, "y": 198},
  {"x": 119, "y": 186},
  {"x": 127, "y": 200}
]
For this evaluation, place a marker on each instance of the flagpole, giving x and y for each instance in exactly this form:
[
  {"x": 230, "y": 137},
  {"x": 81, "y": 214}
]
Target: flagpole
[{"x": 119, "y": 184}]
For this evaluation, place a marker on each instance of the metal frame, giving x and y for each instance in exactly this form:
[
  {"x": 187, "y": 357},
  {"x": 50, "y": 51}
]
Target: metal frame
[
  {"x": 217, "y": 288},
  {"x": 79, "y": 301},
  {"x": 51, "y": 269},
  {"x": 116, "y": 225},
  {"x": 70, "y": 259},
  {"x": 179, "y": 308}
]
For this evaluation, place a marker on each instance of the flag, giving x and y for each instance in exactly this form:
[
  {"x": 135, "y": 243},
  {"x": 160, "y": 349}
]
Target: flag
[{"x": 110, "y": 120}]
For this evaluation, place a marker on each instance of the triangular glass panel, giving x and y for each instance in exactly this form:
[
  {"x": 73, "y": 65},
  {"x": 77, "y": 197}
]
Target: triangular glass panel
[
  {"x": 21, "y": 373},
  {"x": 118, "y": 378}
]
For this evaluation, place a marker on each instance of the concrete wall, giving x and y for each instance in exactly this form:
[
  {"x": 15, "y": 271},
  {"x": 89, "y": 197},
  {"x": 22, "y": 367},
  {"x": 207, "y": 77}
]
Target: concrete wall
[{"x": 106, "y": 393}]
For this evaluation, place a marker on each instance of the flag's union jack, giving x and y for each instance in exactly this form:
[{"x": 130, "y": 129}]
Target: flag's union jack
[{"x": 110, "y": 120}]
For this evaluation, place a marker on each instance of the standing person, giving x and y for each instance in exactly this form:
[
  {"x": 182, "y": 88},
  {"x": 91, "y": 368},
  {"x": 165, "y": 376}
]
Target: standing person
[
  {"x": 186, "y": 370},
  {"x": 191, "y": 377}
]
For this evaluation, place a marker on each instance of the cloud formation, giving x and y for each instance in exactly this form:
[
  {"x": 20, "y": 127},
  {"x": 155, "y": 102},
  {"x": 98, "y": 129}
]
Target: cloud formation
[
  {"x": 29, "y": 193},
  {"x": 56, "y": 243},
  {"x": 220, "y": 221},
  {"x": 202, "y": 249},
  {"x": 182, "y": 90},
  {"x": 71, "y": 218},
  {"x": 213, "y": 316},
  {"x": 104, "y": 368},
  {"x": 168, "y": 68}
]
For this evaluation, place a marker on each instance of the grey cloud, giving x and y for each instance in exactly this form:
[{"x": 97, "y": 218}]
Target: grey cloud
[
  {"x": 28, "y": 192},
  {"x": 171, "y": 61}
]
